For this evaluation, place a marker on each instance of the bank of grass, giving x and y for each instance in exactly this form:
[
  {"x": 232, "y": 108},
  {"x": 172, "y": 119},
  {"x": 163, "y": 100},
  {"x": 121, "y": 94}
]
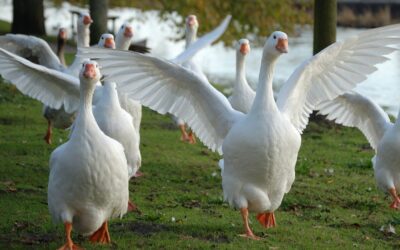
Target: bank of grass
[{"x": 333, "y": 203}]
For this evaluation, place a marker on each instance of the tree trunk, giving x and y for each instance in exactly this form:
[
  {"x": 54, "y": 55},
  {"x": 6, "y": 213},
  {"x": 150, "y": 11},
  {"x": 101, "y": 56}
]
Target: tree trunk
[
  {"x": 98, "y": 12},
  {"x": 28, "y": 17},
  {"x": 325, "y": 12}
]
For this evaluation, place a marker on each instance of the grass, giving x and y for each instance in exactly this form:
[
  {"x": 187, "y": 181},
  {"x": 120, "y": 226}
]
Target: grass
[{"x": 333, "y": 203}]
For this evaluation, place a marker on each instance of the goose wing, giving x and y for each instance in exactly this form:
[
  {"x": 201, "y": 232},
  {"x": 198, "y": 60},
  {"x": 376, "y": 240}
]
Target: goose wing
[
  {"x": 32, "y": 48},
  {"x": 167, "y": 87},
  {"x": 51, "y": 87},
  {"x": 334, "y": 71},
  {"x": 355, "y": 110}
]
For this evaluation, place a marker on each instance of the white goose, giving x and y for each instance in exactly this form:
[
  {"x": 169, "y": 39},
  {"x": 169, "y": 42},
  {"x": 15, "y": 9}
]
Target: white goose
[
  {"x": 88, "y": 182},
  {"x": 117, "y": 123},
  {"x": 243, "y": 95},
  {"x": 258, "y": 168},
  {"x": 37, "y": 50},
  {"x": 191, "y": 26},
  {"x": 123, "y": 41},
  {"x": 354, "y": 110}
]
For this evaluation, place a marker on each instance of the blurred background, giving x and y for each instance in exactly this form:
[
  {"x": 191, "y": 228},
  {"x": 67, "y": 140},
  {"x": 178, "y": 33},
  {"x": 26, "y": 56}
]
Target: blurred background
[{"x": 161, "y": 23}]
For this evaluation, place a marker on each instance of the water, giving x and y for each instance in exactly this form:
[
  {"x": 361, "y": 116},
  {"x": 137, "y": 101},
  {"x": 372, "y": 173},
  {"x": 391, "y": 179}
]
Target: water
[{"x": 218, "y": 61}]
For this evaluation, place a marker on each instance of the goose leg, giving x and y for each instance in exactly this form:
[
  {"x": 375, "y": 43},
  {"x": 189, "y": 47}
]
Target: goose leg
[
  {"x": 184, "y": 135},
  {"x": 192, "y": 138},
  {"x": 132, "y": 207},
  {"x": 69, "y": 245},
  {"x": 249, "y": 234},
  {"x": 267, "y": 219},
  {"x": 47, "y": 137},
  {"x": 396, "y": 200},
  {"x": 138, "y": 174},
  {"x": 102, "y": 235}
]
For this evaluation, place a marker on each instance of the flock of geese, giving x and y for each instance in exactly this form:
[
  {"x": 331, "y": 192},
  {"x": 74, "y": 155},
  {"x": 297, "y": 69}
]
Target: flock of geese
[{"x": 100, "y": 96}]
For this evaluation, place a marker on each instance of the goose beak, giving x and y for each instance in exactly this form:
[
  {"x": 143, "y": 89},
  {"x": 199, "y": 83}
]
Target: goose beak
[
  {"x": 282, "y": 45},
  {"x": 244, "y": 48},
  {"x": 128, "y": 32},
  {"x": 90, "y": 71},
  {"x": 63, "y": 34},
  {"x": 109, "y": 43},
  {"x": 87, "y": 20},
  {"x": 192, "y": 21}
]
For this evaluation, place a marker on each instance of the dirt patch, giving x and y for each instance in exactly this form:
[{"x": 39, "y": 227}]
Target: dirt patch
[{"x": 140, "y": 227}]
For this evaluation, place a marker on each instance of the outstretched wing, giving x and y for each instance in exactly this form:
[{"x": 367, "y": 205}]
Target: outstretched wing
[
  {"x": 334, "y": 71},
  {"x": 32, "y": 48},
  {"x": 168, "y": 87},
  {"x": 202, "y": 42},
  {"x": 49, "y": 86},
  {"x": 355, "y": 110}
]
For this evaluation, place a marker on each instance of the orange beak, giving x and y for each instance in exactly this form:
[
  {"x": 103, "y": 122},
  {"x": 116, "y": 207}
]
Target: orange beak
[
  {"x": 244, "y": 48},
  {"x": 282, "y": 45},
  {"x": 192, "y": 21},
  {"x": 87, "y": 20},
  {"x": 63, "y": 34},
  {"x": 128, "y": 32},
  {"x": 109, "y": 43},
  {"x": 90, "y": 71}
]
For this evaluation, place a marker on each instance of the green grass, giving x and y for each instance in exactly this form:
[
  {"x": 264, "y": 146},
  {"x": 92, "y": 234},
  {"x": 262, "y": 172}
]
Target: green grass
[{"x": 322, "y": 211}]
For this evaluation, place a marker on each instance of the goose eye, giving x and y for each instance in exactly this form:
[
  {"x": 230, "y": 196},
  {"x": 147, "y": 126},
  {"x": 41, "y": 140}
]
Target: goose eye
[
  {"x": 274, "y": 37},
  {"x": 102, "y": 38},
  {"x": 123, "y": 26}
]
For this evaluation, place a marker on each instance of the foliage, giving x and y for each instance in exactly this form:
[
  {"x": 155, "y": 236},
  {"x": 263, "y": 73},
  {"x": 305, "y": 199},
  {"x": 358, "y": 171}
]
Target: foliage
[{"x": 257, "y": 17}]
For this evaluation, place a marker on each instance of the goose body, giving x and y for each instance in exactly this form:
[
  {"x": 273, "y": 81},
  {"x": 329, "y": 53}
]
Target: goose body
[
  {"x": 259, "y": 148},
  {"x": 88, "y": 182},
  {"x": 243, "y": 95},
  {"x": 355, "y": 110},
  {"x": 117, "y": 123}
]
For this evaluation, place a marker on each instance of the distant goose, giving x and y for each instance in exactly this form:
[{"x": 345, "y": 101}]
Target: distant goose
[
  {"x": 38, "y": 51},
  {"x": 355, "y": 110},
  {"x": 243, "y": 95},
  {"x": 191, "y": 40},
  {"x": 88, "y": 182},
  {"x": 260, "y": 149}
]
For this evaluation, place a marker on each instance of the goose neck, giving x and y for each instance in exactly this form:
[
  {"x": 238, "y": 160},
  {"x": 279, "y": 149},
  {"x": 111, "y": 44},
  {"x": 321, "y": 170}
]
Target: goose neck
[
  {"x": 240, "y": 69},
  {"x": 264, "y": 99},
  {"x": 83, "y": 36},
  {"x": 190, "y": 37},
  {"x": 60, "y": 51}
]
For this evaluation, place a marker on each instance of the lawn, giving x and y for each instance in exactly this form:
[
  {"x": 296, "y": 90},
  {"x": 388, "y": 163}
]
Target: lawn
[{"x": 333, "y": 204}]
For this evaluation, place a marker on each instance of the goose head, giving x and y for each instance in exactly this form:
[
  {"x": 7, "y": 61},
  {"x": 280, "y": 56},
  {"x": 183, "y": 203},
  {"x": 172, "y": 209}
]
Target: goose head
[
  {"x": 90, "y": 72},
  {"x": 126, "y": 31},
  {"x": 243, "y": 47},
  {"x": 276, "y": 44},
  {"x": 85, "y": 20},
  {"x": 107, "y": 41},
  {"x": 124, "y": 36},
  {"x": 191, "y": 28},
  {"x": 62, "y": 34}
]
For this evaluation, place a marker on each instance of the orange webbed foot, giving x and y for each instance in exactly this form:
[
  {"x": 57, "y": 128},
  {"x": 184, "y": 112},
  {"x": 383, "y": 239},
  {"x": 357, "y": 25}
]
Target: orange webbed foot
[
  {"x": 192, "y": 138},
  {"x": 67, "y": 246},
  {"x": 396, "y": 200},
  {"x": 138, "y": 174},
  {"x": 267, "y": 219},
  {"x": 133, "y": 208},
  {"x": 102, "y": 235},
  {"x": 250, "y": 235}
]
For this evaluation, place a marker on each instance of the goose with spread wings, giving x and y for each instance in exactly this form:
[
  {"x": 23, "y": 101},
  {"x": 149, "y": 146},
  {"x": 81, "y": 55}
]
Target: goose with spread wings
[
  {"x": 260, "y": 148},
  {"x": 355, "y": 110}
]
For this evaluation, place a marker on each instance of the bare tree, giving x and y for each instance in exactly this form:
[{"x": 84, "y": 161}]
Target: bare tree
[
  {"x": 325, "y": 12},
  {"x": 28, "y": 17},
  {"x": 98, "y": 12}
]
